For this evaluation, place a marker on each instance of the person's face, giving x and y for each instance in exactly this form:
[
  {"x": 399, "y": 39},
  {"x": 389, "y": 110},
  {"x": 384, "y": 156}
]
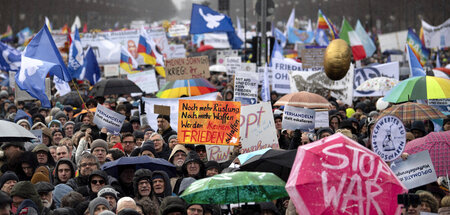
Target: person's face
[
  {"x": 97, "y": 183},
  {"x": 6, "y": 210},
  {"x": 45, "y": 140},
  {"x": 46, "y": 199},
  {"x": 127, "y": 176},
  {"x": 173, "y": 142},
  {"x": 425, "y": 207},
  {"x": 417, "y": 133},
  {"x": 305, "y": 138},
  {"x": 147, "y": 135},
  {"x": 334, "y": 123},
  {"x": 162, "y": 124},
  {"x": 278, "y": 124},
  {"x": 324, "y": 134},
  {"x": 54, "y": 127},
  {"x": 43, "y": 113},
  {"x": 86, "y": 120},
  {"x": 100, "y": 153},
  {"x": 57, "y": 137},
  {"x": 114, "y": 139},
  {"x": 7, "y": 187},
  {"x": 195, "y": 210},
  {"x": 17, "y": 200},
  {"x": 42, "y": 157},
  {"x": 63, "y": 120},
  {"x": 193, "y": 168},
  {"x": 211, "y": 172},
  {"x": 132, "y": 49},
  {"x": 53, "y": 153},
  {"x": 411, "y": 210},
  {"x": 447, "y": 126},
  {"x": 158, "y": 185},
  {"x": 64, "y": 172},
  {"x": 178, "y": 158},
  {"x": 148, "y": 153},
  {"x": 136, "y": 126},
  {"x": 144, "y": 187},
  {"x": 25, "y": 125},
  {"x": 87, "y": 166},
  {"x": 99, "y": 209},
  {"x": 69, "y": 114},
  {"x": 61, "y": 152},
  {"x": 69, "y": 130},
  {"x": 158, "y": 142},
  {"x": 27, "y": 169},
  {"x": 201, "y": 153},
  {"x": 112, "y": 201},
  {"x": 128, "y": 144}
]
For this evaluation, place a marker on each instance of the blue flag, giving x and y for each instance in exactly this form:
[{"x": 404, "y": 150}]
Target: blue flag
[
  {"x": 76, "y": 56},
  {"x": 40, "y": 58},
  {"x": 23, "y": 35},
  {"x": 295, "y": 35},
  {"x": 9, "y": 58},
  {"x": 91, "y": 70},
  {"x": 321, "y": 37},
  {"x": 414, "y": 64},
  {"x": 265, "y": 94},
  {"x": 277, "y": 52},
  {"x": 279, "y": 36}
]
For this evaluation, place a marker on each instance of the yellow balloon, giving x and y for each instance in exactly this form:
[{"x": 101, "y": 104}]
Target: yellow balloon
[{"x": 337, "y": 59}]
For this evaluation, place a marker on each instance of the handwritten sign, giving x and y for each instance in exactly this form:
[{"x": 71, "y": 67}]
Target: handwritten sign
[
  {"x": 246, "y": 87},
  {"x": 187, "y": 68},
  {"x": 321, "y": 119},
  {"x": 178, "y": 31},
  {"x": 208, "y": 122},
  {"x": 298, "y": 118},
  {"x": 219, "y": 153},
  {"x": 146, "y": 80},
  {"x": 233, "y": 64},
  {"x": 415, "y": 171},
  {"x": 312, "y": 58},
  {"x": 109, "y": 119},
  {"x": 223, "y": 54},
  {"x": 257, "y": 128}
]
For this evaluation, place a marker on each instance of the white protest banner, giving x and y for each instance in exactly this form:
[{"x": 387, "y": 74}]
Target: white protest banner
[
  {"x": 317, "y": 82},
  {"x": 257, "y": 128},
  {"x": 415, "y": 171},
  {"x": 260, "y": 72},
  {"x": 393, "y": 41},
  {"x": 219, "y": 153},
  {"x": 111, "y": 70},
  {"x": 436, "y": 36},
  {"x": 217, "y": 40},
  {"x": 233, "y": 64},
  {"x": 178, "y": 31},
  {"x": 109, "y": 119},
  {"x": 442, "y": 105},
  {"x": 38, "y": 134},
  {"x": 146, "y": 80},
  {"x": 390, "y": 70},
  {"x": 298, "y": 118},
  {"x": 223, "y": 54},
  {"x": 280, "y": 76},
  {"x": 173, "y": 104},
  {"x": 389, "y": 138},
  {"x": 246, "y": 87},
  {"x": 187, "y": 68},
  {"x": 249, "y": 67},
  {"x": 321, "y": 119},
  {"x": 176, "y": 51}
]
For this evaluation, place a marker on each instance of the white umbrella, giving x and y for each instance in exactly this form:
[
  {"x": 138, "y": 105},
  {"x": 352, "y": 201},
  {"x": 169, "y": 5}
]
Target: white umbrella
[
  {"x": 218, "y": 68},
  {"x": 377, "y": 84},
  {"x": 12, "y": 132}
]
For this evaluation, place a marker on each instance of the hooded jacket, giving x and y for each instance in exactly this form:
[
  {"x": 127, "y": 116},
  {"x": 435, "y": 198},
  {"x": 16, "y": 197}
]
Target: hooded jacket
[
  {"x": 30, "y": 159},
  {"x": 164, "y": 153},
  {"x": 193, "y": 157},
  {"x": 178, "y": 147},
  {"x": 56, "y": 180},
  {"x": 42, "y": 147},
  {"x": 167, "y": 186},
  {"x": 141, "y": 174},
  {"x": 26, "y": 190}
]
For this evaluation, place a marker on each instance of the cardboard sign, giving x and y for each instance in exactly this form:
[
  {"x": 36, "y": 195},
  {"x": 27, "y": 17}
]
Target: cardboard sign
[
  {"x": 257, "y": 128},
  {"x": 313, "y": 57},
  {"x": 233, "y": 64},
  {"x": 218, "y": 40},
  {"x": 321, "y": 119},
  {"x": 176, "y": 51},
  {"x": 146, "y": 80},
  {"x": 161, "y": 109},
  {"x": 223, "y": 54},
  {"x": 218, "y": 153},
  {"x": 187, "y": 68},
  {"x": 389, "y": 138},
  {"x": 415, "y": 171},
  {"x": 246, "y": 87},
  {"x": 248, "y": 67},
  {"x": 178, "y": 31},
  {"x": 22, "y": 95},
  {"x": 111, "y": 70},
  {"x": 298, "y": 118},
  {"x": 109, "y": 119},
  {"x": 208, "y": 122}
]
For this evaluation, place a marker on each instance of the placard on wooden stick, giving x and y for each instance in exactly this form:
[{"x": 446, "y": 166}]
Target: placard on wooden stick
[
  {"x": 161, "y": 109},
  {"x": 187, "y": 68}
]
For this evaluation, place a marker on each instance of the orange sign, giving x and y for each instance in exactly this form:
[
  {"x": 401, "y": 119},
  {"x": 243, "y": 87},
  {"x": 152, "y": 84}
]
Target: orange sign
[{"x": 209, "y": 122}]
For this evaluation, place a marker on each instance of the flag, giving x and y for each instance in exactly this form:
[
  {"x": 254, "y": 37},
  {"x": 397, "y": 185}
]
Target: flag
[
  {"x": 421, "y": 36},
  {"x": 91, "y": 70},
  {"x": 76, "y": 24},
  {"x": 8, "y": 35},
  {"x": 206, "y": 20},
  {"x": 9, "y": 58},
  {"x": 331, "y": 27},
  {"x": 65, "y": 29},
  {"x": 40, "y": 57},
  {"x": 148, "y": 50},
  {"x": 277, "y": 51},
  {"x": 321, "y": 37},
  {"x": 309, "y": 26},
  {"x": 265, "y": 93},
  {"x": 127, "y": 62},
  {"x": 279, "y": 36},
  {"x": 49, "y": 25},
  {"x": 238, "y": 27},
  {"x": 301, "y": 36},
  {"x": 351, "y": 37},
  {"x": 321, "y": 21},
  {"x": 414, "y": 64},
  {"x": 290, "y": 23},
  {"x": 62, "y": 87},
  {"x": 76, "y": 56},
  {"x": 24, "y": 35},
  {"x": 438, "y": 62},
  {"x": 85, "y": 30},
  {"x": 368, "y": 44},
  {"x": 417, "y": 47}
]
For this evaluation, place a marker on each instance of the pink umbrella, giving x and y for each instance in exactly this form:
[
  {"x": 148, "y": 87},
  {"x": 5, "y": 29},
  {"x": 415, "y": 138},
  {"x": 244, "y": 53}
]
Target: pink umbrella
[
  {"x": 336, "y": 175},
  {"x": 438, "y": 145}
]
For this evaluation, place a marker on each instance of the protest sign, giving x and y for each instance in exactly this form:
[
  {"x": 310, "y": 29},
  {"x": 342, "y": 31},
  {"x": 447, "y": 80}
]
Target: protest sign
[
  {"x": 280, "y": 76},
  {"x": 317, "y": 82},
  {"x": 260, "y": 72},
  {"x": 187, "y": 68},
  {"x": 312, "y": 57},
  {"x": 161, "y": 109},
  {"x": 111, "y": 70},
  {"x": 208, "y": 122},
  {"x": 440, "y": 104},
  {"x": 393, "y": 41},
  {"x": 321, "y": 119},
  {"x": 223, "y": 54},
  {"x": 390, "y": 70},
  {"x": 176, "y": 51},
  {"x": 298, "y": 118},
  {"x": 257, "y": 128},
  {"x": 415, "y": 171},
  {"x": 216, "y": 40},
  {"x": 109, "y": 119},
  {"x": 219, "y": 153},
  {"x": 146, "y": 80},
  {"x": 178, "y": 31},
  {"x": 248, "y": 67},
  {"x": 233, "y": 64},
  {"x": 246, "y": 87},
  {"x": 38, "y": 134},
  {"x": 436, "y": 36},
  {"x": 389, "y": 138}
]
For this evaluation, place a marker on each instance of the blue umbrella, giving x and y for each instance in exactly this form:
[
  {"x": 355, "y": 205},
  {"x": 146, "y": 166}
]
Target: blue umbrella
[{"x": 141, "y": 162}]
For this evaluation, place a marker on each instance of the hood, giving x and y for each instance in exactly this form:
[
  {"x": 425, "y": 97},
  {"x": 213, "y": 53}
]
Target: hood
[
  {"x": 55, "y": 172},
  {"x": 20, "y": 114},
  {"x": 100, "y": 173},
  {"x": 167, "y": 185},
  {"x": 193, "y": 157},
  {"x": 178, "y": 147},
  {"x": 139, "y": 175}
]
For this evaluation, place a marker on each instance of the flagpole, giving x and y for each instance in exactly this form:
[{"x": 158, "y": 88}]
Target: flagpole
[
  {"x": 189, "y": 87},
  {"x": 82, "y": 100}
]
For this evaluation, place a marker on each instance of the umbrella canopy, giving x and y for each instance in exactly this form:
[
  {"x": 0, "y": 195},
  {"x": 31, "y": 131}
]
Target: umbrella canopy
[
  {"x": 246, "y": 156},
  {"x": 12, "y": 132},
  {"x": 411, "y": 111},
  {"x": 218, "y": 68},
  {"x": 303, "y": 99},
  {"x": 421, "y": 87},
  {"x": 72, "y": 98},
  {"x": 337, "y": 175},
  {"x": 377, "y": 84},
  {"x": 438, "y": 145},
  {"x": 114, "y": 86},
  {"x": 235, "y": 187},
  {"x": 276, "y": 161},
  {"x": 179, "y": 88},
  {"x": 141, "y": 162}
]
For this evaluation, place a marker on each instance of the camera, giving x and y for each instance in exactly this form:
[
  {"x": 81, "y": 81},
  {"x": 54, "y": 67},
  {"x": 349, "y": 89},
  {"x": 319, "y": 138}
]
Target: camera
[{"x": 408, "y": 199}]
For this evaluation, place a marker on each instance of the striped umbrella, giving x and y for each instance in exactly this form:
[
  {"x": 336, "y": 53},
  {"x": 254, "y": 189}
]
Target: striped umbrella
[
  {"x": 303, "y": 99},
  {"x": 178, "y": 88},
  {"x": 421, "y": 87},
  {"x": 411, "y": 111}
]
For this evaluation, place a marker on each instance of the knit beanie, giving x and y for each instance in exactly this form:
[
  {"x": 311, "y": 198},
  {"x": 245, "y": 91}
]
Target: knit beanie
[
  {"x": 60, "y": 191},
  {"x": 26, "y": 190},
  {"x": 99, "y": 143},
  {"x": 128, "y": 211},
  {"x": 9, "y": 175},
  {"x": 149, "y": 146},
  {"x": 39, "y": 177},
  {"x": 107, "y": 212},
  {"x": 107, "y": 190},
  {"x": 173, "y": 136},
  {"x": 18, "y": 144},
  {"x": 172, "y": 204},
  {"x": 23, "y": 120},
  {"x": 166, "y": 117},
  {"x": 96, "y": 202}
]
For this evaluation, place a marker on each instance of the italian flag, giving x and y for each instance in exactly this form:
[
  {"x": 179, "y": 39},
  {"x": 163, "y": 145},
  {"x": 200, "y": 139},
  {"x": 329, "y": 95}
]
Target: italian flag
[{"x": 350, "y": 36}]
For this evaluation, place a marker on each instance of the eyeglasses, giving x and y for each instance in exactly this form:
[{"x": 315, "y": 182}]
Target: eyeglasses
[
  {"x": 128, "y": 142},
  {"x": 87, "y": 164},
  {"x": 98, "y": 182}
]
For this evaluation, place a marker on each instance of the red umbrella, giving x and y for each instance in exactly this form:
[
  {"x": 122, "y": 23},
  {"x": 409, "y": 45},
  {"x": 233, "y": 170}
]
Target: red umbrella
[
  {"x": 438, "y": 145},
  {"x": 336, "y": 175}
]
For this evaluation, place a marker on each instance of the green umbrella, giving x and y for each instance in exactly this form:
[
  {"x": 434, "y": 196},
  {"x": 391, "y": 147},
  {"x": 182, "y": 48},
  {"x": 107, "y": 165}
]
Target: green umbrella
[
  {"x": 419, "y": 87},
  {"x": 235, "y": 187}
]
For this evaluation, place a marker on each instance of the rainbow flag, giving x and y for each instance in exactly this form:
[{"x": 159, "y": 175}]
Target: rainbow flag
[
  {"x": 329, "y": 24},
  {"x": 127, "y": 62},
  {"x": 321, "y": 23},
  {"x": 421, "y": 36},
  {"x": 417, "y": 47},
  {"x": 8, "y": 35}
]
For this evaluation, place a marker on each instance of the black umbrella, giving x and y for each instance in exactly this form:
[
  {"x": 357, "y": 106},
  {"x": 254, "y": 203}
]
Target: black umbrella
[
  {"x": 114, "y": 86},
  {"x": 277, "y": 161},
  {"x": 12, "y": 132},
  {"x": 72, "y": 98}
]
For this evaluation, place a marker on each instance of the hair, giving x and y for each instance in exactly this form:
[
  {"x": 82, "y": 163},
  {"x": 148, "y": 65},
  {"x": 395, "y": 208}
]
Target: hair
[
  {"x": 122, "y": 201},
  {"x": 128, "y": 134},
  {"x": 161, "y": 137},
  {"x": 88, "y": 156},
  {"x": 149, "y": 207},
  {"x": 108, "y": 138},
  {"x": 67, "y": 147},
  {"x": 66, "y": 139},
  {"x": 116, "y": 153},
  {"x": 71, "y": 199},
  {"x": 445, "y": 202},
  {"x": 52, "y": 147}
]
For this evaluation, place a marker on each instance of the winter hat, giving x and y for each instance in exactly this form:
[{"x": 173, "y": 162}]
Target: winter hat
[
  {"x": 134, "y": 119},
  {"x": 212, "y": 164},
  {"x": 39, "y": 177},
  {"x": 172, "y": 204},
  {"x": 149, "y": 146},
  {"x": 40, "y": 147},
  {"x": 138, "y": 134},
  {"x": 128, "y": 211},
  {"x": 60, "y": 114},
  {"x": 178, "y": 147},
  {"x": 166, "y": 117},
  {"x": 27, "y": 207},
  {"x": 26, "y": 190},
  {"x": 44, "y": 187},
  {"x": 9, "y": 175},
  {"x": 323, "y": 130},
  {"x": 64, "y": 211},
  {"x": 107, "y": 190},
  {"x": 55, "y": 121},
  {"x": 173, "y": 136},
  {"x": 23, "y": 120},
  {"x": 4, "y": 199},
  {"x": 18, "y": 144},
  {"x": 4, "y": 94},
  {"x": 69, "y": 123},
  {"x": 43, "y": 169},
  {"x": 100, "y": 173},
  {"x": 96, "y": 202},
  {"x": 99, "y": 143},
  {"x": 60, "y": 191},
  {"x": 418, "y": 125},
  {"x": 38, "y": 124}
]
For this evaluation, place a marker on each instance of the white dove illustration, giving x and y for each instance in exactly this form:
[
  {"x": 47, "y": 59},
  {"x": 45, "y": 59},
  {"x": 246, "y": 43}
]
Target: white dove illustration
[{"x": 213, "y": 21}]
